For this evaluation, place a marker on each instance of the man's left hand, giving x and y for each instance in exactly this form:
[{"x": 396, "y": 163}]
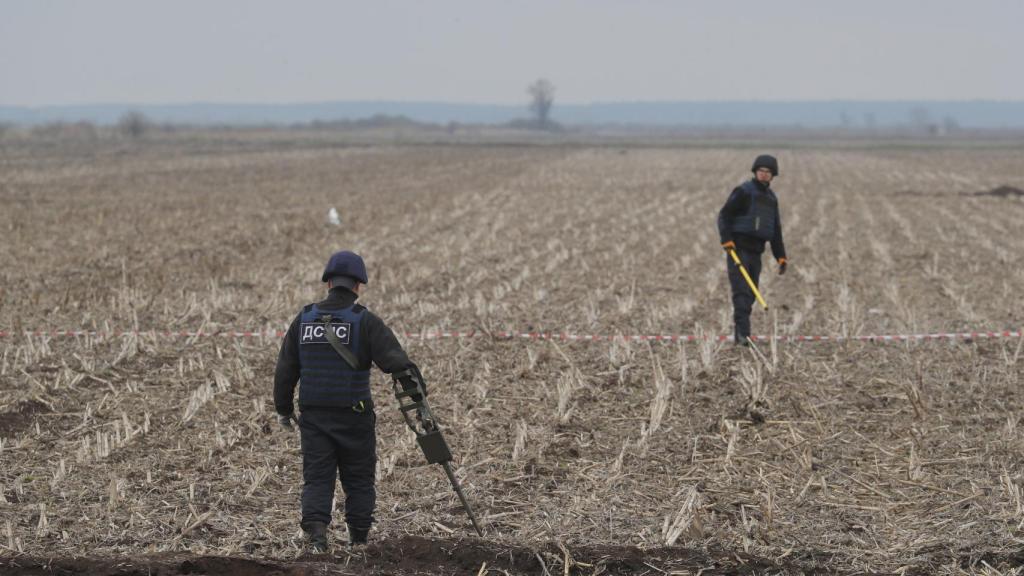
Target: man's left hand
[
  {"x": 782, "y": 266},
  {"x": 285, "y": 420}
]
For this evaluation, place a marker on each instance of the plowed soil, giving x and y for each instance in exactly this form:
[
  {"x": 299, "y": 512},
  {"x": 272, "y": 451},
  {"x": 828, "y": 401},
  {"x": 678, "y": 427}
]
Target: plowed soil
[
  {"x": 138, "y": 450},
  {"x": 415, "y": 555}
]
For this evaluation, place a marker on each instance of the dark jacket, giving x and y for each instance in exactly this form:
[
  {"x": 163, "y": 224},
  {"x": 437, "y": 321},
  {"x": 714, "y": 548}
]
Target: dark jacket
[
  {"x": 377, "y": 344},
  {"x": 736, "y": 206}
]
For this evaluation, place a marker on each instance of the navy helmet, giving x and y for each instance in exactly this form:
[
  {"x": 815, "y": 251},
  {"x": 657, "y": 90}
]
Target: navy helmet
[
  {"x": 766, "y": 161},
  {"x": 345, "y": 263}
]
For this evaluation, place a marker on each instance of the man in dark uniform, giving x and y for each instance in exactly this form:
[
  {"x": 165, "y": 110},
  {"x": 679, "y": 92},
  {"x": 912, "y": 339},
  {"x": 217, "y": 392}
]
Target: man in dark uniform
[
  {"x": 750, "y": 218},
  {"x": 337, "y": 422}
]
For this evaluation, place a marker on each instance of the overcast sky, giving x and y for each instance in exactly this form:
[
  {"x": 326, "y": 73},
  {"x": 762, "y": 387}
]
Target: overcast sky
[{"x": 274, "y": 51}]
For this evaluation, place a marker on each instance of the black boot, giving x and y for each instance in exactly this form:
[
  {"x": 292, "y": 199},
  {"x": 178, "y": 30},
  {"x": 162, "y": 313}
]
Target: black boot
[
  {"x": 357, "y": 536},
  {"x": 316, "y": 536}
]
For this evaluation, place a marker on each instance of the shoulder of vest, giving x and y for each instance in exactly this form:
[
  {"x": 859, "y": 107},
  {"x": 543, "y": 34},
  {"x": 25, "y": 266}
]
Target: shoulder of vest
[
  {"x": 307, "y": 308},
  {"x": 358, "y": 308}
]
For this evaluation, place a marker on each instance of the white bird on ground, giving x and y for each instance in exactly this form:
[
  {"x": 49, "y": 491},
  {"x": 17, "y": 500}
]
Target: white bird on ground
[{"x": 332, "y": 217}]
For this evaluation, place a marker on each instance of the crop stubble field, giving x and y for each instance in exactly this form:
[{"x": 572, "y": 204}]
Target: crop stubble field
[{"x": 157, "y": 453}]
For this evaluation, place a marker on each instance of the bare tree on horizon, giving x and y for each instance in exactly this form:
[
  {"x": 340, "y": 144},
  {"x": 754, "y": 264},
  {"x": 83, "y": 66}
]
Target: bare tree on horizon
[
  {"x": 133, "y": 124},
  {"x": 542, "y": 97}
]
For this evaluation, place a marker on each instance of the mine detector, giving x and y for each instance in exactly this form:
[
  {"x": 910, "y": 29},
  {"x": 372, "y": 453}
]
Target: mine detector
[
  {"x": 746, "y": 276},
  {"x": 411, "y": 396},
  {"x": 409, "y": 392}
]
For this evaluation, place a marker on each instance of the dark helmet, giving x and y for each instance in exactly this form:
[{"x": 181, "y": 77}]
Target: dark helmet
[
  {"x": 345, "y": 263},
  {"x": 766, "y": 161}
]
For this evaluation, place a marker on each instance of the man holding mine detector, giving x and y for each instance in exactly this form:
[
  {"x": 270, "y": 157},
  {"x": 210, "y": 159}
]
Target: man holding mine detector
[
  {"x": 749, "y": 219},
  {"x": 328, "y": 350}
]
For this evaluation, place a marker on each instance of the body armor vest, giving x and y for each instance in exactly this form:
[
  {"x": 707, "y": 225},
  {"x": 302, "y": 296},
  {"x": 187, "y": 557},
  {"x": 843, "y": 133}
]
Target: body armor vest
[
  {"x": 759, "y": 220},
  {"x": 325, "y": 379}
]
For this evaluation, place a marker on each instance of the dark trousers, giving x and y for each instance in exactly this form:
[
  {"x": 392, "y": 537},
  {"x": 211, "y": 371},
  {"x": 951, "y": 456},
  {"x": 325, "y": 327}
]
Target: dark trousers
[
  {"x": 338, "y": 441},
  {"x": 742, "y": 296}
]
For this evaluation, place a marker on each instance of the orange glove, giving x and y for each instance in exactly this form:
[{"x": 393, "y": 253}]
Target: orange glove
[
  {"x": 782, "y": 266},
  {"x": 730, "y": 245}
]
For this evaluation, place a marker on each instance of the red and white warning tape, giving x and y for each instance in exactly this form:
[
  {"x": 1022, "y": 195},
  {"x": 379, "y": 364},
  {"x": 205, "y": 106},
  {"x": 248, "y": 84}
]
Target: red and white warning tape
[{"x": 510, "y": 335}]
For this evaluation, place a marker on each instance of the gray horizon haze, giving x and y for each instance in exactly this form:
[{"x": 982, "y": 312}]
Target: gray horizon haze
[{"x": 61, "y": 52}]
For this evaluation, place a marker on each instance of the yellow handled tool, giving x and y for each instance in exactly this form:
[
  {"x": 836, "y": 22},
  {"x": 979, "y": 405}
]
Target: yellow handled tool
[{"x": 746, "y": 276}]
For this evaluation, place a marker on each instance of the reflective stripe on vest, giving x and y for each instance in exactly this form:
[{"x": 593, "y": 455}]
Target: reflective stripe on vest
[{"x": 325, "y": 379}]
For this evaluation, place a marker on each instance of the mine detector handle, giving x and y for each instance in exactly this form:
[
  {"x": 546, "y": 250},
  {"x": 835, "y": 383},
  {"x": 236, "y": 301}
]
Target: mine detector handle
[
  {"x": 408, "y": 385},
  {"x": 746, "y": 276},
  {"x": 409, "y": 390}
]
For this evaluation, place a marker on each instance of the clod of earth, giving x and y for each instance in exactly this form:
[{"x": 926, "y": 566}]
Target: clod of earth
[{"x": 1002, "y": 192}]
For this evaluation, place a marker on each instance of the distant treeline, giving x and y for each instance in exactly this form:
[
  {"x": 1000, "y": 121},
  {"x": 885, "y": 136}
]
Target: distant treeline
[
  {"x": 936, "y": 116},
  {"x": 137, "y": 127}
]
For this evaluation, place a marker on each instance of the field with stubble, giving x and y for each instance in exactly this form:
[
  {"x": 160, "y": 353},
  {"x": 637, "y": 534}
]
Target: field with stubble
[{"x": 147, "y": 444}]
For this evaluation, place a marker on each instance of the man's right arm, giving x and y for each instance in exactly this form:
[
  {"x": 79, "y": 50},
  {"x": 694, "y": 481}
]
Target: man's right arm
[
  {"x": 735, "y": 205},
  {"x": 387, "y": 353},
  {"x": 286, "y": 375},
  {"x": 385, "y": 350}
]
